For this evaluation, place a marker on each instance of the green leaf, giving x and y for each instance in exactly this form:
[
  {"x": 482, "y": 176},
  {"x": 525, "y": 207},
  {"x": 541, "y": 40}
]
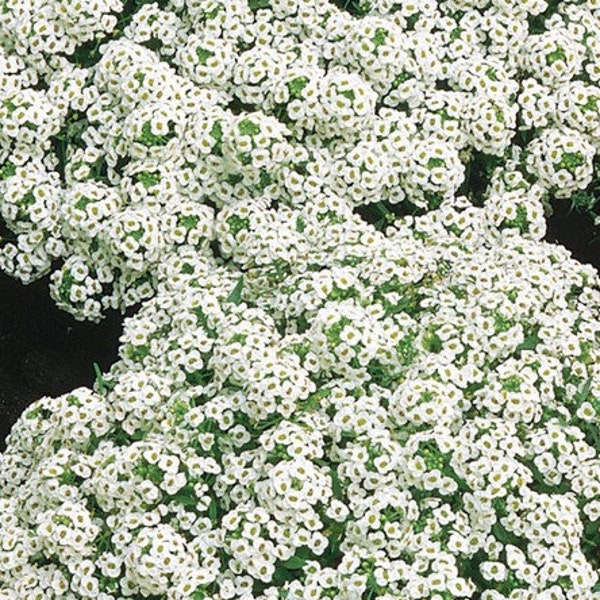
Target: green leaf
[
  {"x": 136, "y": 352},
  {"x": 592, "y": 529},
  {"x": 187, "y": 269},
  {"x": 432, "y": 342},
  {"x": 233, "y": 179},
  {"x": 137, "y": 234},
  {"x": 265, "y": 179},
  {"x": 82, "y": 203},
  {"x": 258, "y": 4},
  {"x": 103, "y": 384},
  {"x": 236, "y": 294},
  {"x": 512, "y": 384},
  {"x": 530, "y": 342},
  {"x": 188, "y": 500},
  {"x": 582, "y": 396},
  {"x": 73, "y": 400},
  {"x": 506, "y": 537},
  {"x": 336, "y": 486},
  {"x": 9, "y": 105},
  {"x": 281, "y": 576},
  {"x": 216, "y": 133},
  {"x": 521, "y": 221},
  {"x": 300, "y": 224},
  {"x": 295, "y": 562},
  {"x": 213, "y": 511},
  {"x": 199, "y": 377}
]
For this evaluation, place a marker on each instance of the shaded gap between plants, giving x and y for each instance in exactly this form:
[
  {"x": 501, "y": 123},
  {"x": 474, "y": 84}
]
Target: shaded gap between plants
[
  {"x": 573, "y": 229},
  {"x": 44, "y": 351}
]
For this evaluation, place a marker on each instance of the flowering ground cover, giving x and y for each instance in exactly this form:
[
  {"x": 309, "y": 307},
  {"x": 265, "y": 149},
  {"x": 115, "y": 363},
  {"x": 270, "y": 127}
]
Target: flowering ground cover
[{"x": 353, "y": 368}]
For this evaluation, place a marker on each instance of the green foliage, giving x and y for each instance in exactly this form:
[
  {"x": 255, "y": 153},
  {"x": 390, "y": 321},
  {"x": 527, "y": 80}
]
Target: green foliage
[
  {"x": 521, "y": 221},
  {"x": 104, "y": 385},
  {"x": 216, "y": 133},
  {"x": 354, "y": 7},
  {"x": 147, "y": 138},
  {"x": 7, "y": 170},
  {"x": 236, "y": 293},
  {"x": 380, "y": 37},
  {"x": 203, "y": 55},
  {"x": 236, "y": 224},
  {"x": 188, "y": 221},
  {"x": 255, "y": 5},
  {"x": 296, "y": 86},
  {"x": 147, "y": 179},
  {"x": 247, "y": 127}
]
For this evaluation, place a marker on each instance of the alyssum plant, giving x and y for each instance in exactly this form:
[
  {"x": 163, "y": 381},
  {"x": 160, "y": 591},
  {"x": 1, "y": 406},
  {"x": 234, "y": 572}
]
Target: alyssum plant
[
  {"x": 340, "y": 414},
  {"x": 124, "y": 127},
  {"x": 306, "y": 405}
]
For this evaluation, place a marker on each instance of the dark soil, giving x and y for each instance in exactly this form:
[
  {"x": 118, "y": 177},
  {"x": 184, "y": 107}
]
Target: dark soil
[
  {"x": 576, "y": 231},
  {"x": 44, "y": 351}
]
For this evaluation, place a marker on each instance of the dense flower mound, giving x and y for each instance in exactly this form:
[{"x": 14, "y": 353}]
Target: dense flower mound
[
  {"x": 346, "y": 415},
  {"x": 125, "y": 126},
  {"x": 356, "y": 372}
]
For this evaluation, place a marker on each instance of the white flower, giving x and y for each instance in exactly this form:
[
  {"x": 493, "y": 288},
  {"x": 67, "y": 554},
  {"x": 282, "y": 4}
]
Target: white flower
[{"x": 561, "y": 160}]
